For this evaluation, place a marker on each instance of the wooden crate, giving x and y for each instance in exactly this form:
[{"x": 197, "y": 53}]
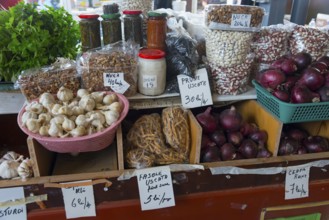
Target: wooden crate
[{"x": 46, "y": 163}]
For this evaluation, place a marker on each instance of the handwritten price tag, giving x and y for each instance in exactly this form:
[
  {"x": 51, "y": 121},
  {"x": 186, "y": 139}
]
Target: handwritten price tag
[
  {"x": 12, "y": 212},
  {"x": 116, "y": 82},
  {"x": 240, "y": 20},
  {"x": 155, "y": 188},
  {"x": 79, "y": 201},
  {"x": 297, "y": 178},
  {"x": 195, "y": 92}
]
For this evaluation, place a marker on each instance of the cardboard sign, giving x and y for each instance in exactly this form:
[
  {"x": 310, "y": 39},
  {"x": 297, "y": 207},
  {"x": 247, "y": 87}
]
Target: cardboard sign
[
  {"x": 297, "y": 180},
  {"x": 12, "y": 212},
  {"x": 195, "y": 92},
  {"x": 240, "y": 20},
  {"x": 116, "y": 82},
  {"x": 79, "y": 201},
  {"x": 155, "y": 188}
]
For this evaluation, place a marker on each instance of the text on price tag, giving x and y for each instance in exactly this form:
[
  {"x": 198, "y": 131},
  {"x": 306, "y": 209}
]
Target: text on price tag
[
  {"x": 155, "y": 187},
  {"x": 297, "y": 179},
  {"x": 79, "y": 201},
  {"x": 16, "y": 211},
  {"x": 116, "y": 82},
  {"x": 195, "y": 92},
  {"x": 240, "y": 20}
]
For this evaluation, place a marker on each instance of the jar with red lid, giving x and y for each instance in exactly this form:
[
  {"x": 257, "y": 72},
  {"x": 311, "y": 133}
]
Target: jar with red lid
[
  {"x": 132, "y": 25},
  {"x": 90, "y": 31},
  {"x": 151, "y": 71},
  {"x": 156, "y": 30}
]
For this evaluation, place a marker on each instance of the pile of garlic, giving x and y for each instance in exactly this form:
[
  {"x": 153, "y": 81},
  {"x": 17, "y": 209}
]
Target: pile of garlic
[
  {"x": 71, "y": 116},
  {"x": 13, "y": 165}
]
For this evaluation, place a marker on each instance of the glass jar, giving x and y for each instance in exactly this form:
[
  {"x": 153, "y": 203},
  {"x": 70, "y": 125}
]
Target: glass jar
[
  {"x": 111, "y": 26},
  {"x": 156, "y": 30},
  {"x": 151, "y": 72},
  {"x": 90, "y": 31},
  {"x": 132, "y": 24}
]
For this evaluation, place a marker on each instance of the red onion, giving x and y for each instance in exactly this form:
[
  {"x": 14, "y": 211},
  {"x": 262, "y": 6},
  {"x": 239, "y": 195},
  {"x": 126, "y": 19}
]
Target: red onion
[
  {"x": 288, "y": 146},
  {"x": 301, "y": 150},
  {"x": 248, "y": 128},
  {"x": 218, "y": 137},
  {"x": 324, "y": 93},
  {"x": 321, "y": 66},
  {"x": 326, "y": 77},
  {"x": 227, "y": 152},
  {"x": 210, "y": 154},
  {"x": 238, "y": 156},
  {"x": 264, "y": 153},
  {"x": 272, "y": 78},
  {"x": 315, "y": 144},
  {"x": 230, "y": 119},
  {"x": 324, "y": 59},
  {"x": 283, "y": 95},
  {"x": 248, "y": 148},
  {"x": 289, "y": 66},
  {"x": 297, "y": 134},
  {"x": 289, "y": 83},
  {"x": 260, "y": 137},
  {"x": 311, "y": 78},
  {"x": 235, "y": 138},
  {"x": 206, "y": 142},
  {"x": 207, "y": 121},
  {"x": 302, "y": 59},
  {"x": 301, "y": 94}
]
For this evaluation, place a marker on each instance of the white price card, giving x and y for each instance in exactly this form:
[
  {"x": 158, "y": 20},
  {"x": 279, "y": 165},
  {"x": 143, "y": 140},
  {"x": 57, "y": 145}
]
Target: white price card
[
  {"x": 195, "y": 92},
  {"x": 116, "y": 82},
  {"x": 240, "y": 20},
  {"x": 79, "y": 201},
  {"x": 16, "y": 211},
  {"x": 297, "y": 180},
  {"x": 155, "y": 188}
]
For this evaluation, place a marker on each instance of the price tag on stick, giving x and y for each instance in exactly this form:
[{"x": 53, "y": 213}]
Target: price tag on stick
[
  {"x": 195, "y": 92},
  {"x": 16, "y": 211},
  {"x": 155, "y": 188},
  {"x": 79, "y": 201},
  {"x": 297, "y": 179}
]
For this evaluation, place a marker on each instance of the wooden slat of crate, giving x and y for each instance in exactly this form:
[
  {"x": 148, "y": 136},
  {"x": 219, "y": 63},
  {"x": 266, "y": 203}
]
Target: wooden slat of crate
[{"x": 196, "y": 136}]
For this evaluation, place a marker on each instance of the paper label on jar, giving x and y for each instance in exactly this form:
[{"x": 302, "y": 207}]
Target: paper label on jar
[
  {"x": 240, "y": 20},
  {"x": 149, "y": 81},
  {"x": 116, "y": 82}
]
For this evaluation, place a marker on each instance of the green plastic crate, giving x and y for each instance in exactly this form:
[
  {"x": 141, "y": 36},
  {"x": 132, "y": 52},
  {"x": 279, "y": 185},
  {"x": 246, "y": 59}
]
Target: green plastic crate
[{"x": 288, "y": 112}]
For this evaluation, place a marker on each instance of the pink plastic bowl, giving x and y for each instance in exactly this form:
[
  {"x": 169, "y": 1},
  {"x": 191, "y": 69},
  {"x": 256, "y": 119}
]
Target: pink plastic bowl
[{"x": 93, "y": 142}]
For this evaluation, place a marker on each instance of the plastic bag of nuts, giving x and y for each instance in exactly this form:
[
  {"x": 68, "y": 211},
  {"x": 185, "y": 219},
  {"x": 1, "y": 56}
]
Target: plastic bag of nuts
[
  {"x": 271, "y": 42},
  {"x": 143, "y": 5},
  {"x": 234, "y": 17},
  {"x": 111, "y": 68},
  {"x": 232, "y": 80},
  {"x": 33, "y": 82},
  {"x": 311, "y": 40},
  {"x": 227, "y": 48}
]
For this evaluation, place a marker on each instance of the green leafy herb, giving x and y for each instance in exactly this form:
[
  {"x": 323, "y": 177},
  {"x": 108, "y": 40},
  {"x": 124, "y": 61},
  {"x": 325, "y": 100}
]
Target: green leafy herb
[{"x": 32, "y": 38}]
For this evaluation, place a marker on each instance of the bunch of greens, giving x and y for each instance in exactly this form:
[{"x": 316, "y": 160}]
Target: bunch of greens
[{"x": 32, "y": 38}]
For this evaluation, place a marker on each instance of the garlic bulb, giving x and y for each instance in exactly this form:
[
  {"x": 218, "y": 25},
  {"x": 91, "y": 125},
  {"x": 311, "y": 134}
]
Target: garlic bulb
[
  {"x": 55, "y": 130},
  {"x": 46, "y": 99},
  {"x": 35, "y": 107},
  {"x": 33, "y": 125},
  {"x": 87, "y": 103},
  {"x": 91, "y": 130},
  {"x": 68, "y": 125},
  {"x": 64, "y": 94},
  {"x": 74, "y": 102},
  {"x": 24, "y": 170},
  {"x": 11, "y": 155},
  {"x": 98, "y": 96},
  {"x": 97, "y": 115},
  {"x": 77, "y": 110},
  {"x": 44, "y": 130},
  {"x": 110, "y": 98},
  {"x": 116, "y": 106},
  {"x": 111, "y": 116},
  {"x": 78, "y": 131},
  {"x": 26, "y": 115},
  {"x": 97, "y": 124},
  {"x": 44, "y": 118},
  {"x": 82, "y": 92},
  {"x": 58, "y": 119},
  {"x": 55, "y": 108},
  {"x": 8, "y": 169},
  {"x": 82, "y": 120},
  {"x": 65, "y": 110}
]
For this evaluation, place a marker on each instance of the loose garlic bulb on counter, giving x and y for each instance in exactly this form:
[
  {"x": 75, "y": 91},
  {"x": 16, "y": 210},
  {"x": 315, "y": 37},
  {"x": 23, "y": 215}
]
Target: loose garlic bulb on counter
[{"x": 65, "y": 115}]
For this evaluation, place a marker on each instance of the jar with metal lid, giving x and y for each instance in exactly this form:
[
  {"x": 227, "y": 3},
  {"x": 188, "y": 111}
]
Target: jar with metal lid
[
  {"x": 90, "y": 31},
  {"x": 111, "y": 26},
  {"x": 151, "y": 71},
  {"x": 132, "y": 25},
  {"x": 156, "y": 30}
]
